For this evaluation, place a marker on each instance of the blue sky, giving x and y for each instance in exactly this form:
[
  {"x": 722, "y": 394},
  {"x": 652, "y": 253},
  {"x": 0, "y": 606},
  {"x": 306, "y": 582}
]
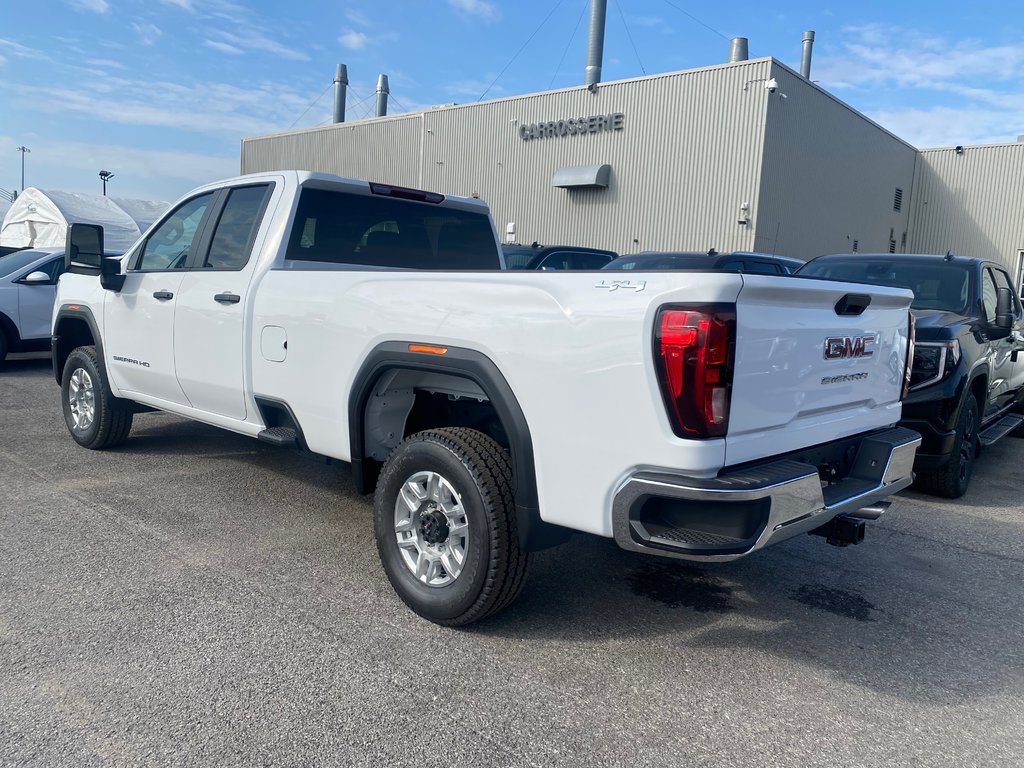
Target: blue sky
[{"x": 161, "y": 91}]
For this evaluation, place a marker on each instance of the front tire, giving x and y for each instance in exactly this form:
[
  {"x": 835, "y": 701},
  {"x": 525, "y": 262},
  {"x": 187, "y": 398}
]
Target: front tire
[
  {"x": 446, "y": 529},
  {"x": 94, "y": 417},
  {"x": 953, "y": 478}
]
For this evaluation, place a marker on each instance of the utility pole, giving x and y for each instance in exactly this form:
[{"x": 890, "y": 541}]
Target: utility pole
[
  {"x": 24, "y": 151},
  {"x": 106, "y": 176}
]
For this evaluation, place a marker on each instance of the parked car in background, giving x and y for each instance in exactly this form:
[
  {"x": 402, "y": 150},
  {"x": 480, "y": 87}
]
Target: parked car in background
[
  {"x": 28, "y": 285},
  {"x": 967, "y": 378},
  {"x": 558, "y": 257},
  {"x": 739, "y": 261}
]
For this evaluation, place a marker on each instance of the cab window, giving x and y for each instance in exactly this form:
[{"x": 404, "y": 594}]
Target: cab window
[{"x": 168, "y": 247}]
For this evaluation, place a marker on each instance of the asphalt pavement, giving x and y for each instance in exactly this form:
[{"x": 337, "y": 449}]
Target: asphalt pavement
[{"x": 197, "y": 598}]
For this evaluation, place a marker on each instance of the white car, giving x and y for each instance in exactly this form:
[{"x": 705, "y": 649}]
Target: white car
[
  {"x": 696, "y": 415},
  {"x": 28, "y": 285}
]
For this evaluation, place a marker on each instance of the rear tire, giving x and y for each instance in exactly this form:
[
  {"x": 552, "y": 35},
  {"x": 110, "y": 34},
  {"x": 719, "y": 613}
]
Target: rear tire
[
  {"x": 953, "y": 478},
  {"x": 446, "y": 528},
  {"x": 94, "y": 417},
  {"x": 3, "y": 348}
]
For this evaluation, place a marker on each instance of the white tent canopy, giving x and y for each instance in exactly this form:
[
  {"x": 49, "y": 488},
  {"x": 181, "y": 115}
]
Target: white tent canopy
[{"x": 40, "y": 218}]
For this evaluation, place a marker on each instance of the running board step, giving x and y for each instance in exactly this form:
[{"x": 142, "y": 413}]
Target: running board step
[
  {"x": 1000, "y": 429},
  {"x": 283, "y": 437}
]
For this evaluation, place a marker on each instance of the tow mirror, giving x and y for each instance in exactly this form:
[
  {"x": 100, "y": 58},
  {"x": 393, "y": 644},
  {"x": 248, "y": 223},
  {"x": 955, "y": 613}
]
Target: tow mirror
[
  {"x": 110, "y": 273},
  {"x": 83, "y": 249},
  {"x": 1004, "y": 309}
]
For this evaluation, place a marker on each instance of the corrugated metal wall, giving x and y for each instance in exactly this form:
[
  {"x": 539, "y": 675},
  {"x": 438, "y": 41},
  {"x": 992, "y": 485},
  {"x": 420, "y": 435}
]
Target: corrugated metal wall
[
  {"x": 384, "y": 150},
  {"x": 971, "y": 203},
  {"x": 829, "y": 175},
  {"x": 687, "y": 158}
]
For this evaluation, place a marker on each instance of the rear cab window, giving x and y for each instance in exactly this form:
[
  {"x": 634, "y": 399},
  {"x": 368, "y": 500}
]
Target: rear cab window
[{"x": 376, "y": 231}]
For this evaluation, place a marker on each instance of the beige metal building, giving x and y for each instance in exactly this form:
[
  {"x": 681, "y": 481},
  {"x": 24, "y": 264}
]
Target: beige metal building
[
  {"x": 740, "y": 156},
  {"x": 970, "y": 200}
]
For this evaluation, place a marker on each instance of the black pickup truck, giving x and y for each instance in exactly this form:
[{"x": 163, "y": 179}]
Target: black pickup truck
[{"x": 967, "y": 379}]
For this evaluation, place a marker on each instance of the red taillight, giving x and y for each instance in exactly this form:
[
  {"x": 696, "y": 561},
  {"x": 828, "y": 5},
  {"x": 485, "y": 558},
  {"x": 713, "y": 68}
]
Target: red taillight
[{"x": 694, "y": 350}]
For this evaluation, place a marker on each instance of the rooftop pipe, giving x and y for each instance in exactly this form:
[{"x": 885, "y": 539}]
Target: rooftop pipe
[
  {"x": 595, "y": 43},
  {"x": 805, "y": 58},
  {"x": 382, "y": 95},
  {"x": 738, "y": 50},
  {"x": 340, "y": 91}
]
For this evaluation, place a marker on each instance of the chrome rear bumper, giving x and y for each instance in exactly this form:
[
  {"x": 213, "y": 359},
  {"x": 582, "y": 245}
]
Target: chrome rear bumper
[{"x": 740, "y": 512}]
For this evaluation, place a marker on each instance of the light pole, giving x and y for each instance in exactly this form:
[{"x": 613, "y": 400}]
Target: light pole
[
  {"x": 106, "y": 176},
  {"x": 24, "y": 151}
]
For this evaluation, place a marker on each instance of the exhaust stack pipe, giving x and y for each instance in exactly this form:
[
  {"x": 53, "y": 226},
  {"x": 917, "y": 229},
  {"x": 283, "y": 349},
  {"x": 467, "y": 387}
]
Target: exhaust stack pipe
[
  {"x": 595, "y": 43},
  {"x": 805, "y": 57},
  {"x": 738, "y": 50},
  {"x": 340, "y": 92},
  {"x": 382, "y": 95}
]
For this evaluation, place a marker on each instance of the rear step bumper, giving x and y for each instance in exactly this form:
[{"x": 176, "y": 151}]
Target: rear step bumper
[{"x": 740, "y": 512}]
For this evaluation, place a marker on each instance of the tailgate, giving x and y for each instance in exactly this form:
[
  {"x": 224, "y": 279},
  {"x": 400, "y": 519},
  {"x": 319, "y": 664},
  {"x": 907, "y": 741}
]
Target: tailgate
[{"x": 809, "y": 369}]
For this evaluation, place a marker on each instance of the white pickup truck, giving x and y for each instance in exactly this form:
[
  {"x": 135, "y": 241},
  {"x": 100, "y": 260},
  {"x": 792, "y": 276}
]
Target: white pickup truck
[{"x": 695, "y": 415}]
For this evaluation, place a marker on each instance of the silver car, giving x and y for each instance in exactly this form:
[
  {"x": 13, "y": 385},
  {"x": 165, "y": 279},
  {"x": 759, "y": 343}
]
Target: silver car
[{"x": 28, "y": 287}]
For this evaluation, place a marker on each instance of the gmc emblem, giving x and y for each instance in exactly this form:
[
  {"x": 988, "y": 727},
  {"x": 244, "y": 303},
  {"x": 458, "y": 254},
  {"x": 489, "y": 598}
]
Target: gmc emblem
[{"x": 848, "y": 347}]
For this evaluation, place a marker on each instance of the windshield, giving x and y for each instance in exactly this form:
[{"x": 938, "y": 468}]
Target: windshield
[
  {"x": 936, "y": 286},
  {"x": 17, "y": 261},
  {"x": 651, "y": 263},
  {"x": 516, "y": 259}
]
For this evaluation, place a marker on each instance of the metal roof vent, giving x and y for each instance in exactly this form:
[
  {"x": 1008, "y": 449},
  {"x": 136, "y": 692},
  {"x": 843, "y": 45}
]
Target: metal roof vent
[
  {"x": 897, "y": 200},
  {"x": 582, "y": 176}
]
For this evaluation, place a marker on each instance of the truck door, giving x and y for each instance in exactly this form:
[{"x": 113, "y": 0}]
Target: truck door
[
  {"x": 1002, "y": 362},
  {"x": 210, "y": 353},
  {"x": 138, "y": 325},
  {"x": 1015, "y": 341}
]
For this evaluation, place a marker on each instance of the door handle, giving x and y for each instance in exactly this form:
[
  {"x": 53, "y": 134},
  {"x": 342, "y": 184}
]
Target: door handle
[
  {"x": 227, "y": 298},
  {"x": 163, "y": 295}
]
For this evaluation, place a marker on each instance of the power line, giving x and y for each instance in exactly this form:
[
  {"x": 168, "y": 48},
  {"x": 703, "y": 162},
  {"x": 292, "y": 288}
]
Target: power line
[
  {"x": 314, "y": 101},
  {"x": 569, "y": 44},
  {"x": 521, "y": 48},
  {"x": 630, "y": 36},
  {"x": 694, "y": 18},
  {"x": 399, "y": 104}
]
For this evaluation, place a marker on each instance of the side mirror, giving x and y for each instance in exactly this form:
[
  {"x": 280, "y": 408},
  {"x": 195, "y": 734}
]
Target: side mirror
[
  {"x": 83, "y": 249},
  {"x": 36, "y": 278},
  {"x": 110, "y": 273},
  {"x": 1004, "y": 309}
]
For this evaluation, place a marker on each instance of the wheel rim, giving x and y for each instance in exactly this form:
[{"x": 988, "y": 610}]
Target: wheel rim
[
  {"x": 431, "y": 529},
  {"x": 968, "y": 447},
  {"x": 82, "y": 399}
]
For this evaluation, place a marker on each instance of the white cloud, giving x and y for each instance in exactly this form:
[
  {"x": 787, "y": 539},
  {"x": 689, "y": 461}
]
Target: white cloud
[
  {"x": 481, "y": 8},
  {"x": 223, "y": 47},
  {"x": 95, "y": 6},
  {"x": 248, "y": 38},
  {"x": 875, "y": 55},
  {"x": 19, "y": 51},
  {"x": 353, "y": 40},
  {"x": 956, "y": 92},
  {"x": 105, "y": 63},
  {"x": 185, "y": 5},
  {"x": 146, "y": 32},
  {"x": 2, "y": 61},
  {"x": 146, "y": 173},
  {"x": 358, "y": 18}
]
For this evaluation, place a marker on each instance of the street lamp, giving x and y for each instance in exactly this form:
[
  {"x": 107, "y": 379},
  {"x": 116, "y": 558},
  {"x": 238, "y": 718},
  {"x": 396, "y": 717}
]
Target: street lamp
[
  {"x": 24, "y": 151},
  {"x": 106, "y": 176}
]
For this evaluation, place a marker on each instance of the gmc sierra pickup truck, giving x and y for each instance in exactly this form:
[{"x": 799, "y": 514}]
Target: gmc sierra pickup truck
[
  {"x": 967, "y": 384},
  {"x": 702, "y": 416}
]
